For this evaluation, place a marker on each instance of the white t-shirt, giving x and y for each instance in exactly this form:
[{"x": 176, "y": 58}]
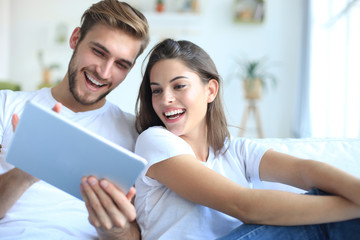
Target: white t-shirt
[
  {"x": 43, "y": 211},
  {"x": 162, "y": 214}
]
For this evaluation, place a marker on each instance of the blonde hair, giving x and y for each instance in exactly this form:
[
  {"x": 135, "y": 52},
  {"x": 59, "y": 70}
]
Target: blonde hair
[
  {"x": 118, "y": 15},
  {"x": 200, "y": 62}
]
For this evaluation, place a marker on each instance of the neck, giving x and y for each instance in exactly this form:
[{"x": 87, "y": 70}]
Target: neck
[{"x": 199, "y": 145}]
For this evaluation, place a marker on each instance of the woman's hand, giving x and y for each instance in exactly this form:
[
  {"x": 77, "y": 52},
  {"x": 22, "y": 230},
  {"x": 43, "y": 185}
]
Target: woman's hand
[{"x": 110, "y": 210}]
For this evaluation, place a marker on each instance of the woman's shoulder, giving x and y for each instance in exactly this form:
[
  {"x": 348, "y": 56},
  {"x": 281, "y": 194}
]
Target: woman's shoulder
[
  {"x": 159, "y": 130},
  {"x": 244, "y": 145},
  {"x": 158, "y": 140},
  {"x": 156, "y": 132}
]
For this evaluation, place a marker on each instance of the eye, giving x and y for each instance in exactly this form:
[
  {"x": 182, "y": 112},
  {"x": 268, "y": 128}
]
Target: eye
[
  {"x": 155, "y": 91},
  {"x": 98, "y": 52},
  {"x": 122, "y": 65},
  {"x": 179, "y": 86}
]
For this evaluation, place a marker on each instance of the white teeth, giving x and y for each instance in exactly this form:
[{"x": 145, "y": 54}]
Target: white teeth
[
  {"x": 174, "y": 112},
  {"x": 94, "y": 81}
]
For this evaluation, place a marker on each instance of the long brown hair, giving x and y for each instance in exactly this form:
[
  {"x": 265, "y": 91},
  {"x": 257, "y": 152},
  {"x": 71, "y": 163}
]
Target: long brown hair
[
  {"x": 196, "y": 59},
  {"x": 118, "y": 15}
]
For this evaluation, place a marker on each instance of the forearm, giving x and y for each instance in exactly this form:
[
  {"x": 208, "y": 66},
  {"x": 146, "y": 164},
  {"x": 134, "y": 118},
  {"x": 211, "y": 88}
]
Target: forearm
[
  {"x": 307, "y": 174},
  {"x": 131, "y": 232},
  {"x": 283, "y": 208},
  {"x": 12, "y": 185},
  {"x": 332, "y": 180}
]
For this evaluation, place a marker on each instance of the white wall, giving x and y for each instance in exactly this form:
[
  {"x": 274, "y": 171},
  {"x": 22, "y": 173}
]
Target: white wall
[
  {"x": 4, "y": 38},
  {"x": 278, "y": 38}
]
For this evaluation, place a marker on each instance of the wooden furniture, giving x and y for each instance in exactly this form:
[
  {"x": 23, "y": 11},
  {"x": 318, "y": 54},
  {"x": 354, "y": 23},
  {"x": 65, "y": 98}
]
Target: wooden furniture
[{"x": 251, "y": 108}]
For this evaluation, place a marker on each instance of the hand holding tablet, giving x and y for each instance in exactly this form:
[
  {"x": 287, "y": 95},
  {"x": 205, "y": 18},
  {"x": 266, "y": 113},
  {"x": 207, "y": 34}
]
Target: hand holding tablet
[{"x": 41, "y": 133}]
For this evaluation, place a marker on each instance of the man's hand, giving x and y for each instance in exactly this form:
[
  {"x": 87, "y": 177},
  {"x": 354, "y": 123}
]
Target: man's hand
[
  {"x": 15, "y": 122},
  {"x": 110, "y": 210},
  {"x": 15, "y": 182},
  {"x": 15, "y": 117}
]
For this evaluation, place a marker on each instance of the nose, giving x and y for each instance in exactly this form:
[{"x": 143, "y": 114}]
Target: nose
[
  {"x": 104, "y": 69},
  {"x": 168, "y": 97}
]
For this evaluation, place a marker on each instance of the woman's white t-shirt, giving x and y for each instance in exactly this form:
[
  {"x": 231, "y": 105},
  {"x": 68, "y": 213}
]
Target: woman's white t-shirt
[{"x": 162, "y": 214}]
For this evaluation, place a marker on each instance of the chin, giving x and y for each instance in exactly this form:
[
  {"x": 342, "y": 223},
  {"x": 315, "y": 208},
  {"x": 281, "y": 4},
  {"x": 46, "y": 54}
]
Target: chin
[{"x": 176, "y": 132}]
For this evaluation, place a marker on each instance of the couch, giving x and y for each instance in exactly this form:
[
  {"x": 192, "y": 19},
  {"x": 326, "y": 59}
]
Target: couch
[
  {"x": 342, "y": 153},
  {"x": 339, "y": 152}
]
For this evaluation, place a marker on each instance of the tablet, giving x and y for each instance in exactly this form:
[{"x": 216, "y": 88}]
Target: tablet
[{"x": 60, "y": 152}]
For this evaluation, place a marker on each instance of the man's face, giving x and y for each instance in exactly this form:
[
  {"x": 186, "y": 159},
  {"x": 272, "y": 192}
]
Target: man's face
[{"x": 100, "y": 62}]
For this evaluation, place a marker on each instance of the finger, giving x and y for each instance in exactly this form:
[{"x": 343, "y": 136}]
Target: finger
[
  {"x": 123, "y": 203},
  {"x": 95, "y": 203},
  {"x": 131, "y": 194},
  {"x": 92, "y": 215},
  {"x": 14, "y": 121},
  {"x": 57, "y": 107},
  {"x": 108, "y": 203}
]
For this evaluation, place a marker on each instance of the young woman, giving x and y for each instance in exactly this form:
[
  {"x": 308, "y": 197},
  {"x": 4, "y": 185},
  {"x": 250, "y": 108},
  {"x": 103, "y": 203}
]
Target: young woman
[{"x": 196, "y": 183}]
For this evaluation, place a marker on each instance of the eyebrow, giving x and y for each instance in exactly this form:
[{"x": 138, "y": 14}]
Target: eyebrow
[
  {"x": 127, "y": 62},
  {"x": 172, "y": 80}
]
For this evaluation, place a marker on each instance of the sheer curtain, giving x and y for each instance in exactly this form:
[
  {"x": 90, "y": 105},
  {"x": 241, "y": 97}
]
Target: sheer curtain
[{"x": 330, "y": 98}]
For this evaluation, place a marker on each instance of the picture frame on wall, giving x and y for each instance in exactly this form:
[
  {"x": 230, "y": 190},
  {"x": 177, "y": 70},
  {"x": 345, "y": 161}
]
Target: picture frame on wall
[{"x": 249, "y": 11}]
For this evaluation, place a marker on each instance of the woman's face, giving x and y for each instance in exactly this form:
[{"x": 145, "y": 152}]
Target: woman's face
[{"x": 179, "y": 97}]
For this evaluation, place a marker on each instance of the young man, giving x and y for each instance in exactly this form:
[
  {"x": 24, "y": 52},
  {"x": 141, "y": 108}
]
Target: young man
[{"x": 111, "y": 37}]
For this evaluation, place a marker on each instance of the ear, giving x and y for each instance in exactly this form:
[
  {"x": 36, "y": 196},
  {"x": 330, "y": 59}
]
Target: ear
[
  {"x": 213, "y": 87},
  {"x": 75, "y": 36}
]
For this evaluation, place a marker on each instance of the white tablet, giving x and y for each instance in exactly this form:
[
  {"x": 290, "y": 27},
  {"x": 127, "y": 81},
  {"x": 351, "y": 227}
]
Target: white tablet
[{"x": 53, "y": 149}]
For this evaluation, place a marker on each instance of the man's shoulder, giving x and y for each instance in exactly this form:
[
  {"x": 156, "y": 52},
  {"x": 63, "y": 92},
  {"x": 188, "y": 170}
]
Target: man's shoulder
[
  {"x": 117, "y": 112},
  {"x": 13, "y": 95},
  {"x": 10, "y": 98},
  {"x": 20, "y": 96},
  {"x": 15, "y": 100}
]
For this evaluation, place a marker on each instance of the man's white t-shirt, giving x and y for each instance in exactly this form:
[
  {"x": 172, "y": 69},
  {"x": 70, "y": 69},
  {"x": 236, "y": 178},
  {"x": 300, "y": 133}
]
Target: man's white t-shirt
[
  {"x": 162, "y": 214},
  {"x": 43, "y": 211}
]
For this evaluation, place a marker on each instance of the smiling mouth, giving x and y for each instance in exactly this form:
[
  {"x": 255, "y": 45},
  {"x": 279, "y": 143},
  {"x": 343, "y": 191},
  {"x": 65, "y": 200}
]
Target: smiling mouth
[
  {"x": 174, "y": 114},
  {"x": 93, "y": 82}
]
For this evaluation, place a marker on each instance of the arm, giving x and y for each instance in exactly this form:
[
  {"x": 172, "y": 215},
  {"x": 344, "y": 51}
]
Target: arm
[
  {"x": 15, "y": 182},
  {"x": 12, "y": 185},
  {"x": 111, "y": 212},
  {"x": 307, "y": 174},
  {"x": 193, "y": 181}
]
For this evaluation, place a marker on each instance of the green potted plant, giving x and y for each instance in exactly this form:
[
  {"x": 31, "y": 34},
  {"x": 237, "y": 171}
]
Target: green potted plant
[{"x": 255, "y": 77}]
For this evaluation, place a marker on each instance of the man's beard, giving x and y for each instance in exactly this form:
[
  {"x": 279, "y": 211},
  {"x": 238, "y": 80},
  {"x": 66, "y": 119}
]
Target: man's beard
[{"x": 72, "y": 85}]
